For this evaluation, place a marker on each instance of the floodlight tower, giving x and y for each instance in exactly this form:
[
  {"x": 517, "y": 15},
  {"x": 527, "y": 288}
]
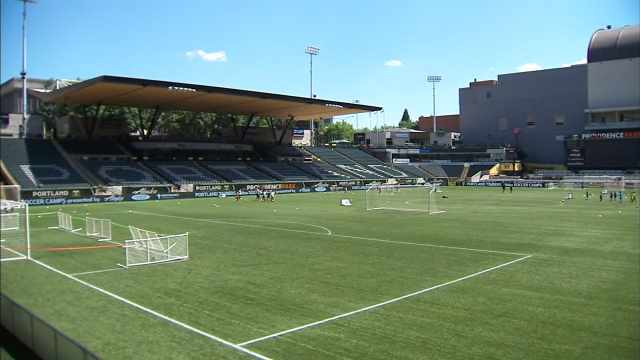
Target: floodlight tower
[
  {"x": 433, "y": 79},
  {"x": 312, "y": 51},
  {"x": 23, "y": 73}
]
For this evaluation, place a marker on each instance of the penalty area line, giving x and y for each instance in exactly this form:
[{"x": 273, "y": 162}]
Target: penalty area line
[
  {"x": 374, "y": 306},
  {"x": 96, "y": 271},
  {"x": 154, "y": 313}
]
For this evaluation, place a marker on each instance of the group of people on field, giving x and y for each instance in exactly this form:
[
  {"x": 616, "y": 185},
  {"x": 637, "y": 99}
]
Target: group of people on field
[{"x": 261, "y": 194}]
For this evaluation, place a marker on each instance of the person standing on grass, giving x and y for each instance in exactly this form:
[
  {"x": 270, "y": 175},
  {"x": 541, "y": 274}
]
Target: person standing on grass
[
  {"x": 600, "y": 196},
  {"x": 511, "y": 188},
  {"x": 504, "y": 187},
  {"x": 237, "y": 195}
]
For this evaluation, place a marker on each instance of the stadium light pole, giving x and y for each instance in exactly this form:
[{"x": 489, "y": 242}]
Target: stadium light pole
[
  {"x": 433, "y": 79},
  {"x": 312, "y": 51},
  {"x": 356, "y": 101},
  {"x": 23, "y": 73}
]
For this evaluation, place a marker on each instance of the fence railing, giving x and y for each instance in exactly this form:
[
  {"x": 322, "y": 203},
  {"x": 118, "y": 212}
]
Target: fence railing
[{"x": 43, "y": 339}]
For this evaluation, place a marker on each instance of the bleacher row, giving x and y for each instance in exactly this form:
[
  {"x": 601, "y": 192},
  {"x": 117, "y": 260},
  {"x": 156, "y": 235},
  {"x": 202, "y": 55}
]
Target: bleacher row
[{"x": 44, "y": 164}]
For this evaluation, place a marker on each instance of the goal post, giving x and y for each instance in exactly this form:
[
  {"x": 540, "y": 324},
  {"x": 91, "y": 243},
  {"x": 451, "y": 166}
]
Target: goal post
[
  {"x": 149, "y": 247},
  {"x": 15, "y": 241},
  {"x": 100, "y": 229},
  {"x": 65, "y": 222},
  {"x": 420, "y": 198}
]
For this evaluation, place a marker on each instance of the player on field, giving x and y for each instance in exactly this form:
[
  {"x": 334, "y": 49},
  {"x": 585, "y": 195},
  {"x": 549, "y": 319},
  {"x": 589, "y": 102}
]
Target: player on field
[{"x": 237, "y": 194}]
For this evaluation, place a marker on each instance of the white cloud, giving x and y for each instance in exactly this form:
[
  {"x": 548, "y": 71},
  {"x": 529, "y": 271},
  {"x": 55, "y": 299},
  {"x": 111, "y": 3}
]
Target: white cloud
[
  {"x": 529, "y": 67},
  {"x": 207, "y": 56},
  {"x": 579, "y": 62},
  {"x": 393, "y": 63}
]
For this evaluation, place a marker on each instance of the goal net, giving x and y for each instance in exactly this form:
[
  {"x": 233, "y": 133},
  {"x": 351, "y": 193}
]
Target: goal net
[
  {"x": 65, "y": 222},
  {"x": 403, "y": 198},
  {"x": 99, "y": 229},
  {"x": 14, "y": 225},
  {"x": 148, "y": 247}
]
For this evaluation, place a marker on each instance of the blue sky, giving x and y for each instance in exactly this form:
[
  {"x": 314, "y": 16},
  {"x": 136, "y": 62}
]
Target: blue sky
[{"x": 259, "y": 45}]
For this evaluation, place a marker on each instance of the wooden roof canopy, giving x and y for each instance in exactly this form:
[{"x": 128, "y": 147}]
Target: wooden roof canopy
[{"x": 145, "y": 93}]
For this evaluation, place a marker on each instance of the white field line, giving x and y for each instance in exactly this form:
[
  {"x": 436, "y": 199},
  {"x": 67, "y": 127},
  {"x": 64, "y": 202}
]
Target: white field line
[
  {"x": 328, "y": 232},
  {"x": 96, "y": 271},
  {"x": 20, "y": 256},
  {"x": 336, "y": 235},
  {"x": 371, "y": 307},
  {"x": 154, "y": 313}
]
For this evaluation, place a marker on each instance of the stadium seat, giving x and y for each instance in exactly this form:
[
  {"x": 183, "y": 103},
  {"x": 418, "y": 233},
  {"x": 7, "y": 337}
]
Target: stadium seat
[
  {"x": 237, "y": 171},
  {"x": 184, "y": 172},
  {"x": 38, "y": 164},
  {"x": 283, "y": 171},
  {"x": 123, "y": 173}
]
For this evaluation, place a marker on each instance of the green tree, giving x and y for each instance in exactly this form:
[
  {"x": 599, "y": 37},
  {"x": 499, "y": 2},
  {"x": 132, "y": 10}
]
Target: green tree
[
  {"x": 406, "y": 122},
  {"x": 336, "y": 131}
]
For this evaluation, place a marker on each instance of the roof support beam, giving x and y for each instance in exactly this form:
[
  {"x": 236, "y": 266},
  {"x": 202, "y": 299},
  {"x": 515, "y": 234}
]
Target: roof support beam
[
  {"x": 286, "y": 126},
  {"x": 247, "y": 126}
]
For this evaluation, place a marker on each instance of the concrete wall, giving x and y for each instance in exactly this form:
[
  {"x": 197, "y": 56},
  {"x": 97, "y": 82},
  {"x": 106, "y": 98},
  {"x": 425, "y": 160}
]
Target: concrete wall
[
  {"x": 545, "y": 105},
  {"x": 614, "y": 83}
]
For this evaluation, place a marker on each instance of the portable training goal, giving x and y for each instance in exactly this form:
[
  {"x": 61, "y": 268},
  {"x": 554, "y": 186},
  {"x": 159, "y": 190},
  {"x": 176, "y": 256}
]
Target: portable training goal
[
  {"x": 65, "y": 222},
  {"x": 14, "y": 225},
  {"x": 421, "y": 198},
  {"x": 100, "y": 229},
  {"x": 149, "y": 247}
]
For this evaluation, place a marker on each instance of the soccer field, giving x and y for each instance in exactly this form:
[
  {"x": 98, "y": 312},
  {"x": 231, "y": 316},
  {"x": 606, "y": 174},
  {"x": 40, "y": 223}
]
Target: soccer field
[{"x": 517, "y": 275}]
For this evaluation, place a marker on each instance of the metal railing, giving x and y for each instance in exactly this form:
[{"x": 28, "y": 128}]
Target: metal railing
[{"x": 42, "y": 338}]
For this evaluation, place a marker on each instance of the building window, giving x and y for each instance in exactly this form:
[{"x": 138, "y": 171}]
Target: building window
[
  {"x": 531, "y": 122},
  {"x": 559, "y": 120}
]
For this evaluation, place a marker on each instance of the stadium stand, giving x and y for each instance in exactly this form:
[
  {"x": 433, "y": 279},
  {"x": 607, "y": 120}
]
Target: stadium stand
[
  {"x": 97, "y": 147},
  {"x": 237, "y": 171},
  {"x": 350, "y": 166},
  {"x": 435, "y": 170},
  {"x": 413, "y": 170},
  {"x": 372, "y": 162},
  {"x": 453, "y": 170},
  {"x": 122, "y": 173},
  {"x": 184, "y": 172},
  {"x": 283, "y": 171},
  {"x": 321, "y": 170},
  {"x": 38, "y": 164}
]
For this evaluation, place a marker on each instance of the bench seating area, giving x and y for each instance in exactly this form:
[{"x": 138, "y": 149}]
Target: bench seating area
[
  {"x": 38, "y": 164},
  {"x": 184, "y": 172},
  {"x": 322, "y": 171},
  {"x": 122, "y": 173},
  {"x": 283, "y": 171},
  {"x": 236, "y": 171}
]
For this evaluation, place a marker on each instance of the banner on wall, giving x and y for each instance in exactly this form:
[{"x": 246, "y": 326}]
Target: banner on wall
[{"x": 102, "y": 194}]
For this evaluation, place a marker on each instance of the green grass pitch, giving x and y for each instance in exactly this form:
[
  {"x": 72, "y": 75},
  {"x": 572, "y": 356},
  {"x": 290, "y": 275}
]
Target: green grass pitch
[{"x": 261, "y": 268}]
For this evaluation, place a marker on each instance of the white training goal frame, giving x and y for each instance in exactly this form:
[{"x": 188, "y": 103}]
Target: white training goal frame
[
  {"x": 149, "y": 247},
  {"x": 15, "y": 240},
  {"x": 65, "y": 222},
  {"x": 99, "y": 229},
  {"x": 418, "y": 198}
]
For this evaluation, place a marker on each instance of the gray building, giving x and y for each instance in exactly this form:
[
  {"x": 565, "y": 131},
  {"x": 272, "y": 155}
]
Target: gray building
[{"x": 539, "y": 110}]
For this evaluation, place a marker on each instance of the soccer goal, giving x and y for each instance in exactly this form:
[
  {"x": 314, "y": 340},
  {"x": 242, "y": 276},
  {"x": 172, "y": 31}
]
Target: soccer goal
[
  {"x": 403, "y": 198},
  {"x": 65, "y": 222},
  {"x": 14, "y": 225},
  {"x": 149, "y": 247},
  {"x": 99, "y": 229}
]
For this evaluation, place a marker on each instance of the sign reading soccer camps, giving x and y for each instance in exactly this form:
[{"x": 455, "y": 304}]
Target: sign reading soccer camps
[
  {"x": 525, "y": 183},
  {"x": 103, "y": 194}
]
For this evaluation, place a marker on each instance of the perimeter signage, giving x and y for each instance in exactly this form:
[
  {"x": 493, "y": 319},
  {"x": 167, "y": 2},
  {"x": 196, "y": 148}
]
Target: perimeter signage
[{"x": 612, "y": 135}]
